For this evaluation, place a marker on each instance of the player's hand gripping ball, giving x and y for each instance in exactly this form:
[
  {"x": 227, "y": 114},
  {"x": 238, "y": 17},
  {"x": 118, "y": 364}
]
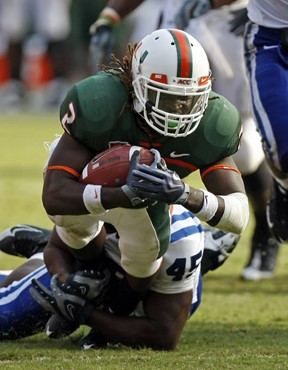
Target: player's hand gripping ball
[{"x": 110, "y": 168}]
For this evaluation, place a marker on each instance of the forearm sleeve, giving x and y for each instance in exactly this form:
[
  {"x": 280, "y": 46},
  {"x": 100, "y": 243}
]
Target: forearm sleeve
[{"x": 236, "y": 213}]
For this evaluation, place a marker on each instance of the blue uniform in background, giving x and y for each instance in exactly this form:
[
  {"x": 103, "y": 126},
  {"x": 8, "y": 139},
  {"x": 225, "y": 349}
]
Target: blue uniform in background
[
  {"x": 267, "y": 65},
  {"x": 20, "y": 314}
]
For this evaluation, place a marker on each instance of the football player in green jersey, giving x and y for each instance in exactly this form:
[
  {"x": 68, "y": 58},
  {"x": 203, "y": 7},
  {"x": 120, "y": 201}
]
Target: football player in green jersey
[{"x": 158, "y": 97}]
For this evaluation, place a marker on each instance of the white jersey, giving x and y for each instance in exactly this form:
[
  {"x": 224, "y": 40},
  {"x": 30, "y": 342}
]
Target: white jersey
[
  {"x": 172, "y": 7},
  {"x": 180, "y": 272},
  {"x": 180, "y": 269},
  {"x": 168, "y": 13},
  {"x": 269, "y": 13}
]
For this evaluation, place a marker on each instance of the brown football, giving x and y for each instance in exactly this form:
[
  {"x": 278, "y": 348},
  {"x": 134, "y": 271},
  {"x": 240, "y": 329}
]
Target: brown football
[{"x": 110, "y": 168}]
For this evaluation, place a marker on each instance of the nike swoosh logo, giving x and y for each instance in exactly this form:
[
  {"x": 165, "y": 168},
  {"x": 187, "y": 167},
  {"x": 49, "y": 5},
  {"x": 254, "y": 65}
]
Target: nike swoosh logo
[
  {"x": 83, "y": 290},
  {"x": 70, "y": 308},
  {"x": 175, "y": 155},
  {"x": 88, "y": 346},
  {"x": 203, "y": 80},
  {"x": 48, "y": 332}
]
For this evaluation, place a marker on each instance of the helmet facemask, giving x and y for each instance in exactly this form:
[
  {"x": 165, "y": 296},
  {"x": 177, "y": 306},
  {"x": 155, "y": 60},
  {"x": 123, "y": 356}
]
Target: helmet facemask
[{"x": 170, "y": 111}]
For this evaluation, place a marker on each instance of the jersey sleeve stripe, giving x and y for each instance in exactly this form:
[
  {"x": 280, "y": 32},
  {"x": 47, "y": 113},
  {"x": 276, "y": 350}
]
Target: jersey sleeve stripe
[
  {"x": 180, "y": 163},
  {"x": 64, "y": 168},
  {"x": 184, "y": 233},
  {"x": 183, "y": 224},
  {"x": 181, "y": 216},
  {"x": 17, "y": 287},
  {"x": 219, "y": 167}
]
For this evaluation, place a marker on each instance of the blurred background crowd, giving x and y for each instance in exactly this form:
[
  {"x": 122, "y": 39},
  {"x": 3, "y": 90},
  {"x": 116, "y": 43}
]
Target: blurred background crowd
[{"x": 44, "y": 47}]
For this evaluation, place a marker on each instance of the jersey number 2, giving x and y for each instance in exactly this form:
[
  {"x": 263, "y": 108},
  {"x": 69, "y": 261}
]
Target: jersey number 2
[{"x": 69, "y": 117}]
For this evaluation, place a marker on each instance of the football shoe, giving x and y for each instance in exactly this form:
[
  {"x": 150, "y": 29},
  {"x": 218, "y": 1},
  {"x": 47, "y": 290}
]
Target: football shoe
[
  {"x": 218, "y": 245},
  {"x": 58, "y": 327},
  {"x": 94, "y": 340},
  {"x": 24, "y": 240},
  {"x": 262, "y": 261}
]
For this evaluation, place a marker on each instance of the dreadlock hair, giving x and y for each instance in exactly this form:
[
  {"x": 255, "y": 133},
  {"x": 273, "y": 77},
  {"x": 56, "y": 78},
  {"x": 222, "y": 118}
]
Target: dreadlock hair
[{"x": 121, "y": 68}]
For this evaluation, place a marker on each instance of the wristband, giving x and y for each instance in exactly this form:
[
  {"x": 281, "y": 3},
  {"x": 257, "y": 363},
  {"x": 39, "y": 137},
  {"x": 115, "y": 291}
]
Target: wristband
[
  {"x": 92, "y": 199},
  {"x": 131, "y": 194},
  {"x": 209, "y": 208},
  {"x": 110, "y": 15},
  {"x": 184, "y": 196}
]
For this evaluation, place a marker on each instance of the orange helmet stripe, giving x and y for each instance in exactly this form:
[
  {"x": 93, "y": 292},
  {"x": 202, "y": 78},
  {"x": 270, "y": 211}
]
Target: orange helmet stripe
[{"x": 184, "y": 55}]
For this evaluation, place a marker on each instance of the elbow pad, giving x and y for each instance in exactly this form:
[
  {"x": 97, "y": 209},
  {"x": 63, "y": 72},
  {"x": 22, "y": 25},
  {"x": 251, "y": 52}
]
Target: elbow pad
[{"x": 236, "y": 213}]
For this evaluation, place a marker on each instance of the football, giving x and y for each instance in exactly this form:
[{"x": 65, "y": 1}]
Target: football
[{"x": 110, "y": 168}]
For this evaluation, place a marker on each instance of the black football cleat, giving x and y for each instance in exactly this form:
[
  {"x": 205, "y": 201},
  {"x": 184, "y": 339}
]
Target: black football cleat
[
  {"x": 218, "y": 245},
  {"x": 94, "y": 340},
  {"x": 277, "y": 213},
  {"x": 263, "y": 255},
  {"x": 24, "y": 240},
  {"x": 59, "y": 327}
]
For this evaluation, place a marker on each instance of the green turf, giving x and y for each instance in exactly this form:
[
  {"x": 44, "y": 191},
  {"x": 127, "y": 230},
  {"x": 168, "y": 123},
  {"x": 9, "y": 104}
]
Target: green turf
[{"x": 239, "y": 325}]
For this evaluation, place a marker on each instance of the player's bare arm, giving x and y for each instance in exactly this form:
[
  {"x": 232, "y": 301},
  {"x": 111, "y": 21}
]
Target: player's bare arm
[
  {"x": 113, "y": 13},
  {"x": 62, "y": 191},
  {"x": 124, "y": 7},
  {"x": 61, "y": 260},
  {"x": 222, "y": 179},
  {"x": 224, "y": 204},
  {"x": 161, "y": 328}
]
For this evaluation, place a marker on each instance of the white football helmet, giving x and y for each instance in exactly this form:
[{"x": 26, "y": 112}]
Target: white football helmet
[{"x": 171, "y": 81}]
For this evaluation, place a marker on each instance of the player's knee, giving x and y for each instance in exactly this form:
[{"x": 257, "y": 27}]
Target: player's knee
[
  {"x": 250, "y": 154},
  {"x": 140, "y": 269}
]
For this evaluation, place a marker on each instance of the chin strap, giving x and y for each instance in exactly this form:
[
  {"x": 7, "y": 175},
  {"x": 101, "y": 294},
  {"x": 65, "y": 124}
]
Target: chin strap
[{"x": 149, "y": 107}]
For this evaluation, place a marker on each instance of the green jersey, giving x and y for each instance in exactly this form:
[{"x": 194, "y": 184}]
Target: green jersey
[{"x": 97, "y": 112}]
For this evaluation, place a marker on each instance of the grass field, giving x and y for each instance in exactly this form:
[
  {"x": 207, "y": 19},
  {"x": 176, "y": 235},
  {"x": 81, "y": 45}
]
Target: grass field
[{"x": 239, "y": 325}]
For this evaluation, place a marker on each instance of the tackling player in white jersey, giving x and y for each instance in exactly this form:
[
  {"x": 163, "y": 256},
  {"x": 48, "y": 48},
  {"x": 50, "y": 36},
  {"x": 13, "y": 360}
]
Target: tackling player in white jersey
[{"x": 176, "y": 291}]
